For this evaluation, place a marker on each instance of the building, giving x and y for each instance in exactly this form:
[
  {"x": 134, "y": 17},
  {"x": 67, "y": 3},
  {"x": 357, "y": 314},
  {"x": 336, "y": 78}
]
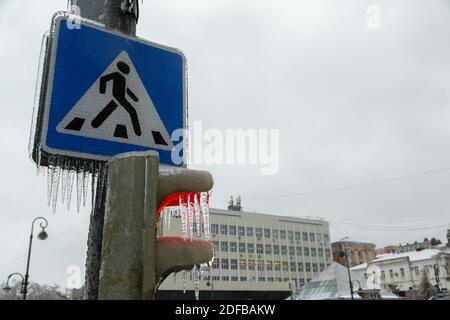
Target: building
[
  {"x": 257, "y": 256},
  {"x": 334, "y": 284},
  {"x": 385, "y": 250},
  {"x": 357, "y": 252},
  {"x": 402, "y": 272}
]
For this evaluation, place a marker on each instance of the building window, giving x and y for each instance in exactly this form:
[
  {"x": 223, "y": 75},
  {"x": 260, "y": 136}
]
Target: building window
[
  {"x": 224, "y": 264},
  {"x": 269, "y": 279},
  {"x": 306, "y": 252},
  {"x": 290, "y": 235},
  {"x": 241, "y": 231},
  {"x": 300, "y": 267},
  {"x": 234, "y": 279},
  {"x": 241, "y": 247},
  {"x": 285, "y": 266},
  {"x": 224, "y": 246},
  {"x": 250, "y": 248},
  {"x": 284, "y": 250},
  {"x": 216, "y": 278},
  {"x": 258, "y": 232},
  {"x": 260, "y": 265},
  {"x": 214, "y": 229},
  {"x": 275, "y": 234},
  {"x": 308, "y": 267},
  {"x": 305, "y": 236},
  {"x": 402, "y": 272},
  {"x": 276, "y": 250},
  {"x": 259, "y": 248},
  {"x": 326, "y": 238},
  {"x": 225, "y": 278},
  {"x": 233, "y": 246},
  {"x": 320, "y": 252},
  {"x": 233, "y": 264},
  {"x": 267, "y": 233},
  {"x": 293, "y": 267},
  {"x": 292, "y": 251},
  {"x": 298, "y": 236},
  {"x": 223, "y": 229},
  {"x": 261, "y": 279},
  {"x": 315, "y": 268},
  {"x": 327, "y": 253},
  {"x": 416, "y": 271},
  {"x": 312, "y": 237},
  {"x": 243, "y": 264},
  {"x": 215, "y": 264},
  {"x": 243, "y": 279},
  {"x": 232, "y": 230},
  {"x": 249, "y": 232},
  {"x": 216, "y": 246},
  {"x": 383, "y": 275},
  {"x": 313, "y": 252},
  {"x": 268, "y": 249},
  {"x": 301, "y": 282},
  {"x": 322, "y": 267},
  {"x": 251, "y": 265},
  {"x": 277, "y": 265},
  {"x": 319, "y": 237},
  {"x": 283, "y": 234},
  {"x": 269, "y": 265},
  {"x": 391, "y": 273},
  {"x": 299, "y": 251}
]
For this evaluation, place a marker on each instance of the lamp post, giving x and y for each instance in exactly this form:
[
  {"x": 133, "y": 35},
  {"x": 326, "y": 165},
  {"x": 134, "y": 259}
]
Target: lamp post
[
  {"x": 342, "y": 254},
  {"x": 42, "y": 236},
  {"x": 7, "y": 288}
]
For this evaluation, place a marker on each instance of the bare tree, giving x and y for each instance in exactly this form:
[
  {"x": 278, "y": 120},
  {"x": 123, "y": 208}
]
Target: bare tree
[
  {"x": 426, "y": 289},
  {"x": 35, "y": 292}
]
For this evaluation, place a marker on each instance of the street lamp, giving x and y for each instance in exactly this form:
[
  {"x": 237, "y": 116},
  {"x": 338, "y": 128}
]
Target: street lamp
[
  {"x": 7, "y": 288},
  {"x": 42, "y": 236},
  {"x": 342, "y": 254}
]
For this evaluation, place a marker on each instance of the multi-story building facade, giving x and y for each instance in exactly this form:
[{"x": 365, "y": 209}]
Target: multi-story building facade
[
  {"x": 256, "y": 256},
  {"x": 357, "y": 252},
  {"x": 402, "y": 272}
]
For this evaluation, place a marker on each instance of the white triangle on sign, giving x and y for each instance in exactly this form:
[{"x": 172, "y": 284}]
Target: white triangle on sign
[{"x": 117, "y": 107}]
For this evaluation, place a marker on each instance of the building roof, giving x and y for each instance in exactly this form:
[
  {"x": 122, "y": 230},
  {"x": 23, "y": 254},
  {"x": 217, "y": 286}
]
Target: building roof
[{"x": 331, "y": 284}]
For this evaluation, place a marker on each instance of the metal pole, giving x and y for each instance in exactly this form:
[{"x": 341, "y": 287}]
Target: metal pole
[
  {"x": 122, "y": 15},
  {"x": 27, "y": 275},
  {"x": 348, "y": 270}
]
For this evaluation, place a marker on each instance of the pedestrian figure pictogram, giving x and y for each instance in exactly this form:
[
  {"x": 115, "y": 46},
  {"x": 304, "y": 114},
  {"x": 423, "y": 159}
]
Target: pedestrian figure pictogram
[
  {"x": 117, "y": 107},
  {"x": 119, "y": 93}
]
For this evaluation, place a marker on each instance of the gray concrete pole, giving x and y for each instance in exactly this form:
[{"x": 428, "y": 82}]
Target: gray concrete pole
[{"x": 121, "y": 15}]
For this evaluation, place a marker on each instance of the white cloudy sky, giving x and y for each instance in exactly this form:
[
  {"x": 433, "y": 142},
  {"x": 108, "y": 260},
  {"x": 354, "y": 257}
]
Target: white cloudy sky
[{"x": 353, "y": 106}]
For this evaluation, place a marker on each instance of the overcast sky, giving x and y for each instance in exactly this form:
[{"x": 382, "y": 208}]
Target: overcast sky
[{"x": 353, "y": 105}]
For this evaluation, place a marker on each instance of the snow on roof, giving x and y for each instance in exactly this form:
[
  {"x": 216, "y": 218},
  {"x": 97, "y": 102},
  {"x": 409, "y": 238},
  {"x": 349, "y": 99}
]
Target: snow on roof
[
  {"x": 412, "y": 255},
  {"x": 359, "y": 267}
]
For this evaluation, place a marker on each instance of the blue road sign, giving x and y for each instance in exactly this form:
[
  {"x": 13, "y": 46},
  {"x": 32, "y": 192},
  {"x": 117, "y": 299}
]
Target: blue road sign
[{"x": 110, "y": 93}]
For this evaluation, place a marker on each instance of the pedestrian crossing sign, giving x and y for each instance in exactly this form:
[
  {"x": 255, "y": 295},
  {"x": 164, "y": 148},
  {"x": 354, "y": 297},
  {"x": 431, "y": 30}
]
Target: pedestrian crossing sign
[{"x": 109, "y": 93}]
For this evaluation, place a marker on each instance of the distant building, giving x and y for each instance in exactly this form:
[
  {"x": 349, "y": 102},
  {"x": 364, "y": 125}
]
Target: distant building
[
  {"x": 403, "y": 271},
  {"x": 257, "y": 256},
  {"x": 357, "y": 252},
  {"x": 385, "y": 250},
  {"x": 416, "y": 246}
]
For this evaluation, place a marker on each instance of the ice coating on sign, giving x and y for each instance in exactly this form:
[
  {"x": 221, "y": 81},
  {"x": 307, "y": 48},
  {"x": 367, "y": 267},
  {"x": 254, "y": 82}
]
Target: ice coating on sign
[{"x": 63, "y": 173}]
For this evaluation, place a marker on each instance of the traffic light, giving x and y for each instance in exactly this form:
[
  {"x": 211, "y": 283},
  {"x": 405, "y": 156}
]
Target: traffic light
[{"x": 134, "y": 260}]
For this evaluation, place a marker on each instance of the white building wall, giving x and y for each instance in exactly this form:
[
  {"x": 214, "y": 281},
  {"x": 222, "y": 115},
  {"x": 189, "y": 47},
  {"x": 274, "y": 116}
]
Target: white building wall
[{"x": 295, "y": 233}]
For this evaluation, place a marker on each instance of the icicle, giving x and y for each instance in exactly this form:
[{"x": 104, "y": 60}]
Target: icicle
[
  {"x": 196, "y": 280},
  {"x": 183, "y": 219},
  {"x": 94, "y": 188},
  {"x": 184, "y": 281},
  {"x": 70, "y": 178},
  {"x": 197, "y": 216},
  {"x": 169, "y": 219},
  {"x": 85, "y": 184},
  {"x": 55, "y": 187},
  {"x": 190, "y": 218},
  {"x": 50, "y": 173},
  {"x": 64, "y": 177},
  {"x": 79, "y": 189},
  {"x": 205, "y": 215}
]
